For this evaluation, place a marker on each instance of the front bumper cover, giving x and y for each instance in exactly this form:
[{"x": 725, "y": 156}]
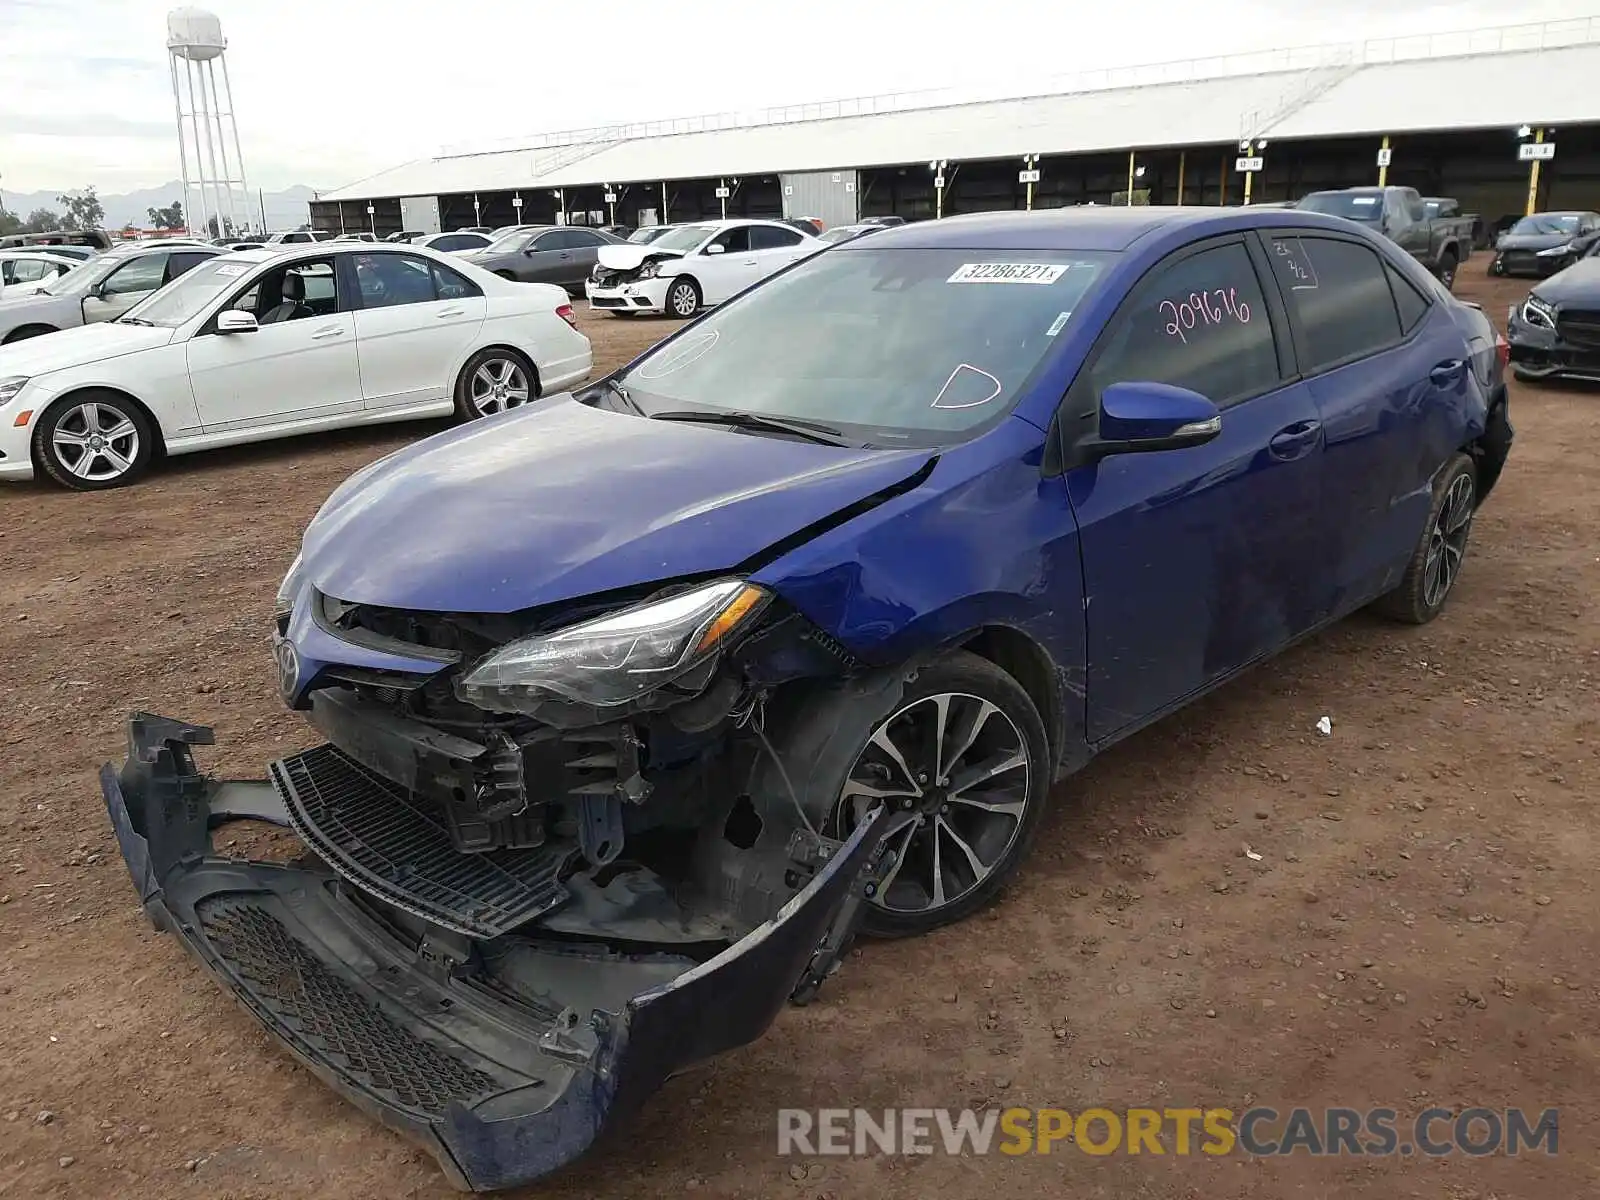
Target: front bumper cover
[{"x": 498, "y": 1090}]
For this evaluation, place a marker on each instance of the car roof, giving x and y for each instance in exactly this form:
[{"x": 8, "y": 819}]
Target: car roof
[
  {"x": 279, "y": 253},
  {"x": 1089, "y": 227}
]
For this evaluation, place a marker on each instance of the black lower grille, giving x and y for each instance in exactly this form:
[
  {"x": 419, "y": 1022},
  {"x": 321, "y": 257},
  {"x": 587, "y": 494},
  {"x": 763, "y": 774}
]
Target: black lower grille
[
  {"x": 1579, "y": 327},
  {"x": 397, "y": 848},
  {"x": 338, "y": 1024}
]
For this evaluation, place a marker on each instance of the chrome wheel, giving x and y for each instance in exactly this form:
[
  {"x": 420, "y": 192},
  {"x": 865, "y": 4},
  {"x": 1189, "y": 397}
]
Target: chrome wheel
[
  {"x": 499, "y": 384},
  {"x": 96, "y": 442},
  {"x": 683, "y": 299},
  {"x": 1447, "y": 544},
  {"x": 962, "y": 768}
]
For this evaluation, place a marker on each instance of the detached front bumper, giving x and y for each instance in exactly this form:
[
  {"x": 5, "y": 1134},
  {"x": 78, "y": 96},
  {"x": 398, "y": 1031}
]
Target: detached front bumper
[
  {"x": 643, "y": 296},
  {"x": 501, "y": 1084}
]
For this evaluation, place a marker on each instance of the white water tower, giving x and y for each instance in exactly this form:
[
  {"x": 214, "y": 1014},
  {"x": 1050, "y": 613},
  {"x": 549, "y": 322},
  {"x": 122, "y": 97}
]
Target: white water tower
[{"x": 208, "y": 136}]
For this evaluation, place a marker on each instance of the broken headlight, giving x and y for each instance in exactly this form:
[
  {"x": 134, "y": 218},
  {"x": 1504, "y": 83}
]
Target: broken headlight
[
  {"x": 614, "y": 660},
  {"x": 283, "y": 605},
  {"x": 1536, "y": 312}
]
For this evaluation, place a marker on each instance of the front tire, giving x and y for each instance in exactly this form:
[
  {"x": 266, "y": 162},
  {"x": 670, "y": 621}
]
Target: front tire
[
  {"x": 956, "y": 743},
  {"x": 92, "y": 441},
  {"x": 493, "y": 381},
  {"x": 1447, "y": 271},
  {"x": 683, "y": 298},
  {"x": 1436, "y": 562}
]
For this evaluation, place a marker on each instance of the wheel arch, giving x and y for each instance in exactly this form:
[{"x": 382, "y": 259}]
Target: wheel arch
[
  {"x": 42, "y": 329},
  {"x": 1026, "y": 661},
  {"x": 507, "y": 347},
  {"x": 158, "y": 451}
]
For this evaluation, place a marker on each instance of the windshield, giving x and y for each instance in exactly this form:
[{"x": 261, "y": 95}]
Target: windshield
[
  {"x": 1547, "y": 223},
  {"x": 1354, "y": 206},
  {"x": 186, "y": 296},
  {"x": 509, "y": 244},
  {"x": 684, "y": 238},
  {"x": 648, "y": 234},
  {"x": 80, "y": 280},
  {"x": 896, "y": 347}
]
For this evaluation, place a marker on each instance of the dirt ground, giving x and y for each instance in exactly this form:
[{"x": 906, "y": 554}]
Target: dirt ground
[{"x": 1418, "y": 930}]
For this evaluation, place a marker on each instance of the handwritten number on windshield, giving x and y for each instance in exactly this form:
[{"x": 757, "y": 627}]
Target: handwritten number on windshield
[{"x": 1218, "y": 306}]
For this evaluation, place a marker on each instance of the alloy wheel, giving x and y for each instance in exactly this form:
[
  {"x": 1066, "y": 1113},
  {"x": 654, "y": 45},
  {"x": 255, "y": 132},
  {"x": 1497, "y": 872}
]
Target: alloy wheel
[
  {"x": 1447, "y": 544},
  {"x": 682, "y": 300},
  {"x": 499, "y": 384},
  {"x": 960, "y": 766},
  {"x": 96, "y": 442}
]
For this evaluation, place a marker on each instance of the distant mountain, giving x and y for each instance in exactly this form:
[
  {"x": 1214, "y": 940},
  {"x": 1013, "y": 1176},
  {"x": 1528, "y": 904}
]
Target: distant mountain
[{"x": 285, "y": 210}]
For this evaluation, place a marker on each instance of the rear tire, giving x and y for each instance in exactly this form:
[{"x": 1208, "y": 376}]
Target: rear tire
[
  {"x": 493, "y": 381},
  {"x": 683, "y": 298},
  {"x": 29, "y": 331},
  {"x": 1437, "y": 560},
  {"x": 94, "y": 440},
  {"x": 846, "y": 737}
]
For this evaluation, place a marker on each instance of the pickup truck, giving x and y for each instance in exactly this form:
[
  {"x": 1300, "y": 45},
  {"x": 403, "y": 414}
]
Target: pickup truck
[
  {"x": 1441, "y": 243},
  {"x": 1435, "y": 207}
]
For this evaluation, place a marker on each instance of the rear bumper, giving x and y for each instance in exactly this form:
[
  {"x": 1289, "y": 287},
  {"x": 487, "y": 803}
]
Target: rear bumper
[{"x": 502, "y": 1086}]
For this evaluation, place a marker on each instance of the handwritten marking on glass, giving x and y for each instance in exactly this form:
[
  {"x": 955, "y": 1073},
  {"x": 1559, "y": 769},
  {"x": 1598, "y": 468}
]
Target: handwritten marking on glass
[
  {"x": 679, "y": 356},
  {"x": 964, "y": 377},
  {"x": 1297, "y": 264},
  {"x": 1197, "y": 310}
]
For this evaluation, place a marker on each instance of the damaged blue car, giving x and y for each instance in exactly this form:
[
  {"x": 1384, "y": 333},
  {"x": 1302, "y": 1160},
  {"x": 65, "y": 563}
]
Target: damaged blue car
[{"x": 637, "y": 704}]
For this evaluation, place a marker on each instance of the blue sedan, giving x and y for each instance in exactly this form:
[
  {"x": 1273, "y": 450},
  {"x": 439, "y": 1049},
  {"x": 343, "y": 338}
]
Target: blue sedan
[{"x": 640, "y": 702}]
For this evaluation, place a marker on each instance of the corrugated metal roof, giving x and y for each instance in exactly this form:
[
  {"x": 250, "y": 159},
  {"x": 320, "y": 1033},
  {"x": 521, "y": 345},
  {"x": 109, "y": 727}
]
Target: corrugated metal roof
[{"x": 1343, "y": 96}]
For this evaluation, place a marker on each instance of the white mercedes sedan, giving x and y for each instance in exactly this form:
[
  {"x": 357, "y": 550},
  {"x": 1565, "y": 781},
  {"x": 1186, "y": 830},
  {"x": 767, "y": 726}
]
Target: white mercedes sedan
[{"x": 264, "y": 344}]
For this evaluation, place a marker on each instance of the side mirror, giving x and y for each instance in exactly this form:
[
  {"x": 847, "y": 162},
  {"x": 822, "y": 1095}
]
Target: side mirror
[
  {"x": 716, "y": 248},
  {"x": 234, "y": 321},
  {"x": 1140, "y": 417}
]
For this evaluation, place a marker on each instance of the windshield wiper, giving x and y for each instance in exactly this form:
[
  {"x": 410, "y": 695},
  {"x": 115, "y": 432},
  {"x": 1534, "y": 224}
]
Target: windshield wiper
[
  {"x": 623, "y": 395},
  {"x": 134, "y": 321},
  {"x": 811, "y": 431}
]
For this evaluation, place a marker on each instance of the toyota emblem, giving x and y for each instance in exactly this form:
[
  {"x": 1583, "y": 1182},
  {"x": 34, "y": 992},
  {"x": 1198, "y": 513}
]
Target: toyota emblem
[{"x": 288, "y": 670}]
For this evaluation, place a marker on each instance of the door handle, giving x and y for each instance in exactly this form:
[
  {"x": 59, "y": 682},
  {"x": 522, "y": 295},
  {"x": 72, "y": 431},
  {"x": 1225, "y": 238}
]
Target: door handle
[
  {"x": 1292, "y": 441},
  {"x": 750, "y": 262},
  {"x": 1447, "y": 372},
  {"x": 451, "y": 312},
  {"x": 327, "y": 331}
]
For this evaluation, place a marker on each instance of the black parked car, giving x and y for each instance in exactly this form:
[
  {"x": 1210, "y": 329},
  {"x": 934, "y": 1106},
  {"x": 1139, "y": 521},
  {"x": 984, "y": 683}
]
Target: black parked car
[
  {"x": 1545, "y": 243},
  {"x": 1556, "y": 330},
  {"x": 563, "y": 254}
]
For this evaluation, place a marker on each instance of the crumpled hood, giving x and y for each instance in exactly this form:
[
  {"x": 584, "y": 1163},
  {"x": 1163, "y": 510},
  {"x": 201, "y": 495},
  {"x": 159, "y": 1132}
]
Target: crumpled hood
[
  {"x": 1533, "y": 241},
  {"x": 628, "y": 257},
  {"x": 559, "y": 500},
  {"x": 1578, "y": 284},
  {"x": 79, "y": 346}
]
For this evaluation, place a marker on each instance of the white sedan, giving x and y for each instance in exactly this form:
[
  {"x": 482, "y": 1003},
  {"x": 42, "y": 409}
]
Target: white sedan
[
  {"x": 265, "y": 344},
  {"x": 694, "y": 265},
  {"x": 23, "y": 272}
]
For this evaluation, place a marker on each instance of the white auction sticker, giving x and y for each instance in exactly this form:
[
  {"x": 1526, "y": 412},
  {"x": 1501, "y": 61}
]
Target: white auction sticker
[
  {"x": 229, "y": 270},
  {"x": 1008, "y": 273},
  {"x": 1058, "y": 324}
]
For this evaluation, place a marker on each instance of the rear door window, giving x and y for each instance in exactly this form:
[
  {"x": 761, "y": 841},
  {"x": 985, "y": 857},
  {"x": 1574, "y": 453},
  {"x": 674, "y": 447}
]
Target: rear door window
[{"x": 1338, "y": 295}]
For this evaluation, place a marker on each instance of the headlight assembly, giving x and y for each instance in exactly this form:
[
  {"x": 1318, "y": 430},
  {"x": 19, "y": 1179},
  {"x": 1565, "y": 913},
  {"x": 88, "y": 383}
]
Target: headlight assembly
[
  {"x": 1536, "y": 312},
  {"x": 283, "y": 606},
  {"x": 613, "y": 661},
  {"x": 10, "y": 387},
  {"x": 650, "y": 269},
  {"x": 1555, "y": 251}
]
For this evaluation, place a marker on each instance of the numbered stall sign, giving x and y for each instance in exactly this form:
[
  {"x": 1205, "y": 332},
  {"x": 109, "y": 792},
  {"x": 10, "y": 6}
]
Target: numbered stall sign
[
  {"x": 611, "y": 197},
  {"x": 1536, "y": 151},
  {"x": 1385, "y": 157},
  {"x": 723, "y": 193},
  {"x": 1028, "y": 176},
  {"x": 1246, "y": 166}
]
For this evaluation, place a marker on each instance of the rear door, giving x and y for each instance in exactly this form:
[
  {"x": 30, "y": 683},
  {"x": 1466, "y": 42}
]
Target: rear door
[
  {"x": 1200, "y": 560},
  {"x": 415, "y": 324},
  {"x": 1386, "y": 367},
  {"x": 775, "y": 247}
]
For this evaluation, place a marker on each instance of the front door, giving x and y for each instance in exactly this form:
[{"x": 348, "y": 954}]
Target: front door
[
  {"x": 728, "y": 271},
  {"x": 125, "y": 287},
  {"x": 775, "y": 248},
  {"x": 1200, "y": 560},
  {"x": 414, "y": 328},
  {"x": 300, "y": 363}
]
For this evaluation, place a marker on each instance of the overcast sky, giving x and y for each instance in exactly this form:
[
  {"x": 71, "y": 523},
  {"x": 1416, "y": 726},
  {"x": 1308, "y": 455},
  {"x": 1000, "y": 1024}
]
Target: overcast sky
[{"x": 328, "y": 91}]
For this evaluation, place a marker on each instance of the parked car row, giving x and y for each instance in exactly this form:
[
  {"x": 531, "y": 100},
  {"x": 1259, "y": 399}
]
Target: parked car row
[{"x": 640, "y": 703}]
